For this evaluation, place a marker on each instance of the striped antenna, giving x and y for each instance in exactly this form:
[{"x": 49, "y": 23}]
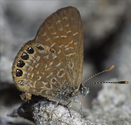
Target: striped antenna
[{"x": 99, "y": 73}]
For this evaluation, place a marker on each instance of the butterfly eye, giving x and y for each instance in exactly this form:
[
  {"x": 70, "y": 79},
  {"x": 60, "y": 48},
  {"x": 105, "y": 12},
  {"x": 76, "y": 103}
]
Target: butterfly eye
[
  {"x": 30, "y": 50},
  {"x": 40, "y": 47}
]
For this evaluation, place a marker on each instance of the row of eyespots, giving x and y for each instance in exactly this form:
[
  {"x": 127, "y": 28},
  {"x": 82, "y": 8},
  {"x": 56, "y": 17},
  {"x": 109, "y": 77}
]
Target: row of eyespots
[
  {"x": 25, "y": 56},
  {"x": 21, "y": 63}
]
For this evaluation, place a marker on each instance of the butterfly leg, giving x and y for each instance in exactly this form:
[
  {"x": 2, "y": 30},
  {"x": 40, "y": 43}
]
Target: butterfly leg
[
  {"x": 69, "y": 105},
  {"x": 81, "y": 111},
  {"x": 77, "y": 101},
  {"x": 56, "y": 104}
]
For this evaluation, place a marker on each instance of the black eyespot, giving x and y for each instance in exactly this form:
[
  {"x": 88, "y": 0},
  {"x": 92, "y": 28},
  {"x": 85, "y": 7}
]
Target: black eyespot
[
  {"x": 52, "y": 51},
  {"x": 40, "y": 47},
  {"x": 19, "y": 72},
  {"x": 30, "y": 50},
  {"x": 25, "y": 56},
  {"x": 20, "y": 63}
]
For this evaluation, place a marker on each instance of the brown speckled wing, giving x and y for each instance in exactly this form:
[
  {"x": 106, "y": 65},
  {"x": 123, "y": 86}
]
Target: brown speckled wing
[{"x": 51, "y": 65}]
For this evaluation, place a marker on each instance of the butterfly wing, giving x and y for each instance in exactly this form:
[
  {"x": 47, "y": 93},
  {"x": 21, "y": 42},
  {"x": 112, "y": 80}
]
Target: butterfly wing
[{"x": 55, "y": 67}]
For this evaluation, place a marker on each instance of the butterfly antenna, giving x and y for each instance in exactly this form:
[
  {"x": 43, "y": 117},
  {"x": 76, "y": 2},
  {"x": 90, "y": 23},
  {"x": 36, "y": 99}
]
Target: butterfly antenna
[
  {"x": 119, "y": 82},
  {"x": 99, "y": 73},
  {"x": 106, "y": 70}
]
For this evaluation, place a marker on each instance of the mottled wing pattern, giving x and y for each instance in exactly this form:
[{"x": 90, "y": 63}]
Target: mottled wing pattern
[
  {"x": 63, "y": 32},
  {"x": 56, "y": 60}
]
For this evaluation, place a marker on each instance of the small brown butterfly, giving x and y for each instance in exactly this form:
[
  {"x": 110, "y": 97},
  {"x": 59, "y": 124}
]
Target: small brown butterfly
[{"x": 51, "y": 64}]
